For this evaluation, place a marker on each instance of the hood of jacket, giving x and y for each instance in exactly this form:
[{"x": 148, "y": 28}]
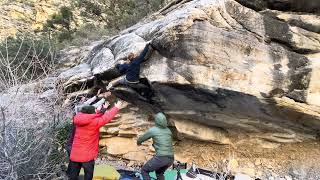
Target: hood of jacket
[{"x": 161, "y": 120}]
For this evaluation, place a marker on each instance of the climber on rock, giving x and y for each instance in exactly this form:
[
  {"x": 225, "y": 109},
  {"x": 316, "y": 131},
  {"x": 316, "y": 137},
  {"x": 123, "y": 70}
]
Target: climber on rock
[
  {"x": 162, "y": 143},
  {"x": 131, "y": 68},
  {"x": 85, "y": 144}
]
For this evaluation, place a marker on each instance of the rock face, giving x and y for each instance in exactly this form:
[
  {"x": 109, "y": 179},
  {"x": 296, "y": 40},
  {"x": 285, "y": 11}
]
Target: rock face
[
  {"x": 224, "y": 66},
  {"x": 225, "y": 72}
]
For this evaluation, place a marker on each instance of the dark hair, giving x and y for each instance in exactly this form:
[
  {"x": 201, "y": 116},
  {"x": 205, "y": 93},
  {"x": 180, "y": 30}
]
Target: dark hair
[{"x": 88, "y": 109}]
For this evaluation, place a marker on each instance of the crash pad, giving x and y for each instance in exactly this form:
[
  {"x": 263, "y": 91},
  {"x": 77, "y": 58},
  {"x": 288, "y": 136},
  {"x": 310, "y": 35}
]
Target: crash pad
[
  {"x": 103, "y": 172},
  {"x": 169, "y": 174}
]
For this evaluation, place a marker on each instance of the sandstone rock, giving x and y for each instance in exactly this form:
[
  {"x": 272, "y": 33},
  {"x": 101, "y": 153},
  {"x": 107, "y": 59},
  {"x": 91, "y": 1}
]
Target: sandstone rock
[
  {"x": 257, "y": 162},
  {"x": 118, "y": 145},
  {"x": 271, "y": 28},
  {"x": 76, "y": 75},
  {"x": 201, "y": 132},
  {"x": 248, "y": 171},
  {"x": 287, "y": 178},
  {"x": 113, "y": 130},
  {"x": 308, "y": 22},
  {"x": 135, "y": 156},
  {"x": 74, "y": 56},
  {"x": 113, "y": 124},
  {"x": 240, "y": 176},
  {"x": 102, "y": 61},
  {"x": 124, "y": 45},
  {"x": 104, "y": 136},
  {"x": 222, "y": 65},
  {"x": 127, "y": 133},
  {"x": 233, "y": 165},
  {"x": 314, "y": 86},
  {"x": 285, "y": 5}
]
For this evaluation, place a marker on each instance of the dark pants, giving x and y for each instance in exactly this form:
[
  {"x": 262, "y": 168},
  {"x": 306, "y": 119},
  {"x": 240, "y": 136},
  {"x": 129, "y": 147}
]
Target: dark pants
[
  {"x": 75, "y": 167},
  {"x": 159, "y": 164}
]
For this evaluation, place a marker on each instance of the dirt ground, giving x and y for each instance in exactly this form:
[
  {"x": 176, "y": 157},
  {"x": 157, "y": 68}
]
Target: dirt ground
[{"x": 298, "y": 160}]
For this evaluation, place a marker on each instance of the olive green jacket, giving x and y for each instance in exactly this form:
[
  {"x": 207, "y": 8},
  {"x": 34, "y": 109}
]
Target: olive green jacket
[{"x": 161, "y": 136}]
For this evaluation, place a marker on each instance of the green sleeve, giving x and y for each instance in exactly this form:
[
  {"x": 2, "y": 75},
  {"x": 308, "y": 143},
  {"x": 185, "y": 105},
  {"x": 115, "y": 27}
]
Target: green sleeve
[{"x": 147, "y": 135}]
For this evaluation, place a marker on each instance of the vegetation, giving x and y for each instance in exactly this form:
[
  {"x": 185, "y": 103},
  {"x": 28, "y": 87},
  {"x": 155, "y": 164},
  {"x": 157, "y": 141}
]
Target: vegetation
[
  {"x": 32, "y": 147},
  {"x": 25, "y": 58},
  {"x": 98, "y": 18}
]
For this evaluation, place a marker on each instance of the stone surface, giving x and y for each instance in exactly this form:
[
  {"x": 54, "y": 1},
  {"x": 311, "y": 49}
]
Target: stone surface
[
  {"x": 310, "y": 22},
  {"x": 77, "y": 75},
  {"x": 73, "y": 56},
  {"x": 201, "y": 132},
  {"x": 102, "y": 61},
  {"x": 113, "y": 130},
  {"x": 127, "y": 133},
  {"x": 284, "y": 5},
  {"x": 240, "y": 176},
  {"x": 119, "y": 145},
  {"x": 222, "y": 65}
]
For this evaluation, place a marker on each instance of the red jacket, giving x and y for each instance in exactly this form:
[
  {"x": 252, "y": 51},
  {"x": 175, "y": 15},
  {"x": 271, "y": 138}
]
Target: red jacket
[{"x": 85, "y": 146}]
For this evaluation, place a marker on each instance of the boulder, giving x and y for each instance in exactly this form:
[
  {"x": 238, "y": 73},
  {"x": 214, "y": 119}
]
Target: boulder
[
  {"x": 283, "y": 5},
  {"x": 127, "y": 133},
  {"x": 113, "y": 131},
  {"x": 77, "y": 75},
  {"x": 102, "y": 61},
  {"x": 223, "y": 67},
  {"x": 310, "y": 22},
  {"x": 119, "y": 145},
  {"x": 73, "y": 56},
  {"x": 201, "y": 132}
]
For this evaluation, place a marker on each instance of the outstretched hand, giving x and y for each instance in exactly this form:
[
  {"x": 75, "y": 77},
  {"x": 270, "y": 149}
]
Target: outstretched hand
[{"x": 120, "y": 104}]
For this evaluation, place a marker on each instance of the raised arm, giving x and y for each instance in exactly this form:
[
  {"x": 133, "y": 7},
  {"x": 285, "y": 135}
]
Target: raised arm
[
  {"x": 89, "y": 101},
  {"x": 142, "y": 55},
  {"x": 147, "y": 135},
  {"x": 99, "y": 103},
  {"x": 109, "y": 115}
]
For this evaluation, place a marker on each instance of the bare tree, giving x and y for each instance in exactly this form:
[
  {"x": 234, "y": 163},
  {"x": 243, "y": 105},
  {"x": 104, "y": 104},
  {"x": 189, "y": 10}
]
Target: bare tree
[
  {"x": 24, "y": 59},
  {"x": 30, "y": 127}
]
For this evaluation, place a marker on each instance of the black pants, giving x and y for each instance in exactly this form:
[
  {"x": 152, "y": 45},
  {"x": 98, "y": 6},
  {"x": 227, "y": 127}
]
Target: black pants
[
  {"x": 75, "y": 167},
  {"x": 159, "y": 164}
]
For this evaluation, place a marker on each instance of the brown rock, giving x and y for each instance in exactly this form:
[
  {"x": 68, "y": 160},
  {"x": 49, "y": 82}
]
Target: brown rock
[
  {"x": 113, "y": 130},
  {"x": 119, "y": 145},
  {"x": 127, "y": 133},
  {"x": 139, "y": 156}
]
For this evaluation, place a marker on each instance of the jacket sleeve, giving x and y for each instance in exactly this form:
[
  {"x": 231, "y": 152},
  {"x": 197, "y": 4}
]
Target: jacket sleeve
[
  {"x": 99, "y": 103},
  {"x": 78, "y": 107},
  {"x": 107, "y": 117},
  {"x": 89, "y": 101},
  {"x": 147, "y": 135},
  {"x": 142, "y": 55}
]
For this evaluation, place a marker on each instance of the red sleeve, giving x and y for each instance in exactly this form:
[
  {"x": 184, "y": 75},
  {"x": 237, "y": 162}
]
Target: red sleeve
[{"x": 107, "y": 117}]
